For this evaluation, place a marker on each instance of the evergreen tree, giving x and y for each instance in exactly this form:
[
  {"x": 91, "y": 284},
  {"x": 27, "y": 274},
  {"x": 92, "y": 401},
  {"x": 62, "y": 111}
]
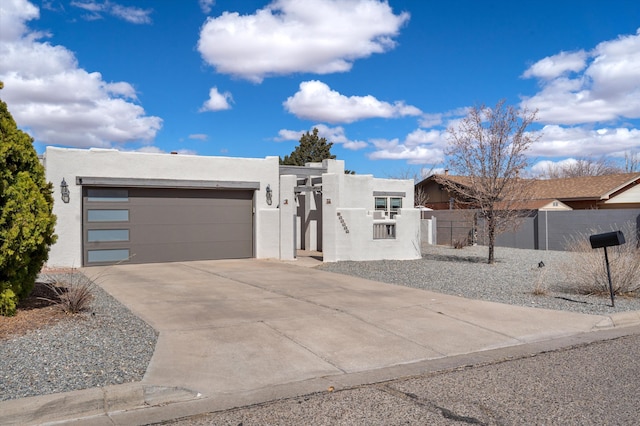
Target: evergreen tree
[
  {"x": 26, "y": 218},
  {"x": 312, "y": 149}
]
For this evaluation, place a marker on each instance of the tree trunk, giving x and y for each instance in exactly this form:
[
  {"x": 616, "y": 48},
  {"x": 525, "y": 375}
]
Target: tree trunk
[{"x": 491, "y": 221}]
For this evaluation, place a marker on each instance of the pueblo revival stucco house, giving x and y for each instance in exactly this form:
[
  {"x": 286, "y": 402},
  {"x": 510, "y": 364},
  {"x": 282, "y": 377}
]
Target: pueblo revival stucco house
[{"x": 131, "y": 207}]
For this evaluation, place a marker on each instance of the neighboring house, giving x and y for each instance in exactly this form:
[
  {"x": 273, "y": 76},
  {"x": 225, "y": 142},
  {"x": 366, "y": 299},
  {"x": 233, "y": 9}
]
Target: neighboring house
[
  {"x": 618, "y": 191},
  {"x": 133, "y": 207}
]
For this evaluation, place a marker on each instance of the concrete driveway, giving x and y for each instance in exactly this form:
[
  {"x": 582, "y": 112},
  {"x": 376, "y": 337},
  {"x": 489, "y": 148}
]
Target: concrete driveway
[
  {"x": 240, "y": 332},
  {"x": 233, "y": 327}
]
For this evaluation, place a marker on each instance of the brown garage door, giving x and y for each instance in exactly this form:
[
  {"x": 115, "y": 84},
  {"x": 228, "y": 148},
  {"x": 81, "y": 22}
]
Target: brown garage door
[{"x": 141, "y": 225}]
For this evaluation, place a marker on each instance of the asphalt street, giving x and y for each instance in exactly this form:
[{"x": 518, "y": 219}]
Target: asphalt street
[{"x": 592, "y": 384}]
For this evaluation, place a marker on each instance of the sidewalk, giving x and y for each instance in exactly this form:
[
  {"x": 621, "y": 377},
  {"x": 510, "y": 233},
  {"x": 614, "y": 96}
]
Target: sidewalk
[{"x": 240, "y": 332}]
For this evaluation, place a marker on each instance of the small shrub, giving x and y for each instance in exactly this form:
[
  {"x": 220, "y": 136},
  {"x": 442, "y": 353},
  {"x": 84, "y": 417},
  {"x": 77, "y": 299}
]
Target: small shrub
[
  {"x": 459, "y": 244},
  {"x": 587, "y": 270},
  {"x": 7, "y": 303},
  {"x": 74, "y": 292},
  {"x": 540, "y": 287}
]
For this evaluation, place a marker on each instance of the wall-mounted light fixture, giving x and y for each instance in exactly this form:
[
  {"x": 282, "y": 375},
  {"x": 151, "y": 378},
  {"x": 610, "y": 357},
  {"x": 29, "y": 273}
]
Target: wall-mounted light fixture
[
  {"x": 64, "y": 191},
  {"x": 269, "y": 194}
]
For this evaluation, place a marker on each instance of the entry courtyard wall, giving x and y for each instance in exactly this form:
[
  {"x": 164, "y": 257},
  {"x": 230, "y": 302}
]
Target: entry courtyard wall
[{"x": 348, "y": 203}]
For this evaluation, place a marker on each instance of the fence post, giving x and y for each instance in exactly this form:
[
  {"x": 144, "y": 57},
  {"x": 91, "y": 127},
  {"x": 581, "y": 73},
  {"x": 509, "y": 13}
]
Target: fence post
[
  {"x": 434, "y": 229},
  {"x": 546, "y": 230},
  {"x": 451, "y": 232}
]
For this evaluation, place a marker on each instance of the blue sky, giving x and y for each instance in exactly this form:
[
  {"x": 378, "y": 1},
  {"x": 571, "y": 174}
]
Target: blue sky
[{"x": 382, "y": 80}]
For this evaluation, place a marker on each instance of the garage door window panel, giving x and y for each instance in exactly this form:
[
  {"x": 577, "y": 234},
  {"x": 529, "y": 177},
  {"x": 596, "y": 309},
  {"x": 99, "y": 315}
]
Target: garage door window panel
[
  {"x": 111, "y": 255},
  {"x": 102, "y": 215},
  {"x": 101, "y": 195},
  {"x": 107, "y": 235}
]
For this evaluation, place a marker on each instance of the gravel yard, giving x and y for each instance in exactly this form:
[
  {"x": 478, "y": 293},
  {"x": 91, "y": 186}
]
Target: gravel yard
[
  {"x": 512, "y": 279},
  {"x": 105, "y": 346}
]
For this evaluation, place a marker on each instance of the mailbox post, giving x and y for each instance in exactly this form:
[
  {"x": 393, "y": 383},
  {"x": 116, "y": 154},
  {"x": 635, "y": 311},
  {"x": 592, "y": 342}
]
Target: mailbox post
[{"x": 608, "y": 239}]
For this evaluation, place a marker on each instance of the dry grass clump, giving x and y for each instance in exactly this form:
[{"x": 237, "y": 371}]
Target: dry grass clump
[
  {"x": 72, "y": 291},
  {"x": 540, "y": 286},
  {"x": 586, "y": 271}
]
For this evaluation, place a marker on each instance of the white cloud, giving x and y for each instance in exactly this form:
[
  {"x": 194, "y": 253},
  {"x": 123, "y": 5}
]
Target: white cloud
[
  {"x": 607, "y": 89},
  {"x": 557, "y": 141},
  {"x": 332, "y": 134},
  {"x": 557, "y": 65},
  {"x": 419, "y": 147},
  {"x": 430, "y": 120},
  {"x": 425, "y": 145},
  {"x": 217, "y": 101},
  {"x": 55, "y": 100},
  {"x": 96, "y": 9},
  {"x": 338, "y": 136},
  {"x": 134, "y": 15},
  {"x": 290, "y": 36},
  {"x": 446, "y": 119},
  {"x": 14, "y": 15},
  {"x": 206, "y": 5},
  {"x": 89, "y": 6},
  {"x": 199, "y": 136},
  {"x": 53, "y": 5},
  {"x": 288, "y": 135},
  {"x": 316, "y": 101},
  {"x": 544, "y": 166}
]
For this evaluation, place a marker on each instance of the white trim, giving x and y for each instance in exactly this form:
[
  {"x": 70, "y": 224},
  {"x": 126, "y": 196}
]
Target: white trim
[{"x": 165, "y": 183}]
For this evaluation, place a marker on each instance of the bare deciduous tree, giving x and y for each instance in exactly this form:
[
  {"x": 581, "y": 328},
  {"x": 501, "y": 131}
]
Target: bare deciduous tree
[
  {"x": 581, "y": 167},
  {"x": 416, "y": 174},
  {"x": 420, "y": 196},
  {"x": 488, "y": 148},
  {"x": 631, "y": 162}
]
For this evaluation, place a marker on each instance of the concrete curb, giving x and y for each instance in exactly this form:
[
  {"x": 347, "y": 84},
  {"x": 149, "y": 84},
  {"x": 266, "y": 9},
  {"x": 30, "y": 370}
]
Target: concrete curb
[
  {"x": 61, "y": 407},
  {"x": 619, "y": 319}
]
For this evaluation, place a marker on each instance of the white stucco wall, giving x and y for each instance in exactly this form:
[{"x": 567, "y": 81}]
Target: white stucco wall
[
  {"x": 352, "y": 237},
  {"x": 348, "y": 205},
  {"x": 287, "y": 207},
  {"x": 357, "y": 191},
  {"x": 426, "y": 231},
  {"x": 71, "y": 163}
]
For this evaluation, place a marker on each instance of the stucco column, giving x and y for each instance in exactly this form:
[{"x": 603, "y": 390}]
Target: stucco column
[
  {"x": 287, "y": 206},
  {"x": 306, "y": 222},
  {"x": 330, "y": 202}
]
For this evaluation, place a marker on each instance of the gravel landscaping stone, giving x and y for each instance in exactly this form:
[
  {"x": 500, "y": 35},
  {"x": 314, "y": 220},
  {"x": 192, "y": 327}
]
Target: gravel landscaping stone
[
  {"x": 106, "y": 345},
  {"x": 512, "y": 279}
]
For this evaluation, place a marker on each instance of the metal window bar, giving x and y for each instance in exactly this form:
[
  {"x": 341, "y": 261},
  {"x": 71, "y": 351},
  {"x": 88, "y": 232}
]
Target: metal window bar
[{"x": 384, "y": 231}]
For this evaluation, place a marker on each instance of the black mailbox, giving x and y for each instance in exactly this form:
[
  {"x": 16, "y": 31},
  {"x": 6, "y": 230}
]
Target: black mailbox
[{"x": 607, "y": 239}]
